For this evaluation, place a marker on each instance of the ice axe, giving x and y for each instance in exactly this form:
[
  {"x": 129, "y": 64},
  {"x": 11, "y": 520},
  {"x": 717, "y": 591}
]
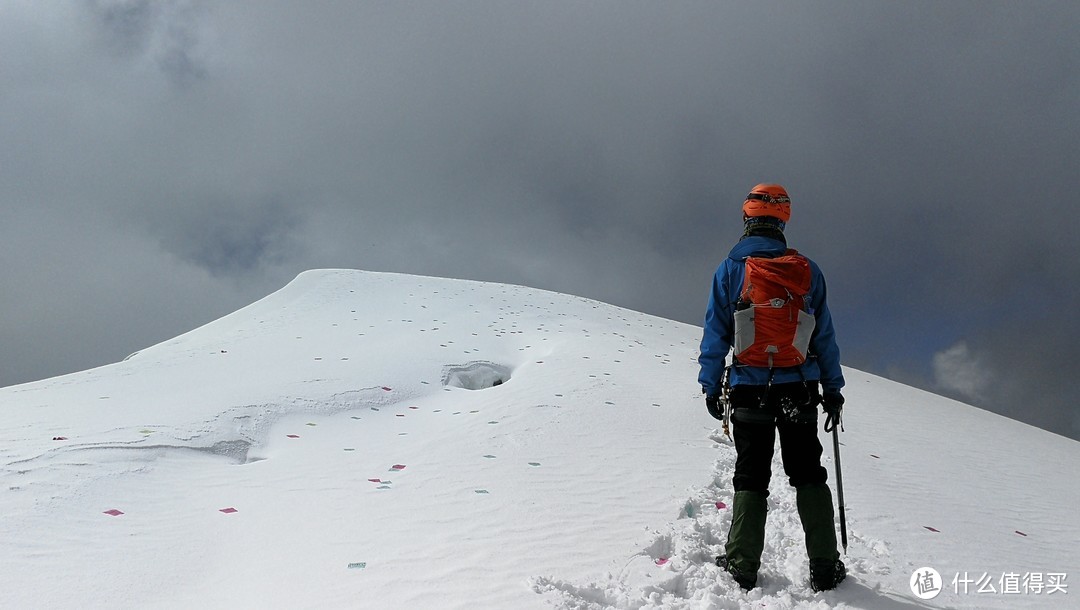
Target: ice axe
[{"x": 833, "y": 424}]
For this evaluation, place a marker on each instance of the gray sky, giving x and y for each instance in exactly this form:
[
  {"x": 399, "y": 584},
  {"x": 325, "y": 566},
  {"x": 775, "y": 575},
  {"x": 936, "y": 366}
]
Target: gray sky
[{"x": 163, "y": 163}]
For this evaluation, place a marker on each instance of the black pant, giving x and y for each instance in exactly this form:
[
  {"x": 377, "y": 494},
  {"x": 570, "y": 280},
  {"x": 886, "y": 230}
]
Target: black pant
[{"x": 789, "y": 408}]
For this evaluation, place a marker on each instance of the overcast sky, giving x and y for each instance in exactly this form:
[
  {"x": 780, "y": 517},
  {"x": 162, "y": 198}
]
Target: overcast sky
[{"x": 163, "y": 163}]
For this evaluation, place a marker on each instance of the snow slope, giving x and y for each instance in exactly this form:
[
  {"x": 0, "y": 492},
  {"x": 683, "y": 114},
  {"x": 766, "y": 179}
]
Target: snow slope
[{"x": 368, "y": 440}]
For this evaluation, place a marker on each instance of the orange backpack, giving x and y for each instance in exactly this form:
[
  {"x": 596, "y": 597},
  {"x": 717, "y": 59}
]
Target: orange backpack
[{"x": 772, "y": 325}]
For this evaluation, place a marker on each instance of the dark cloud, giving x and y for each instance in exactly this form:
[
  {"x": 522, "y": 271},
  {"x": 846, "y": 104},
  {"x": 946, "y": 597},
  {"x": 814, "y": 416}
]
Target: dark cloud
[
  {"x": 127, "y": 27},
  {"x": 589, "y": 148},
  {"x": 163, "y": 32},
  {"x": 230, "y": 240}
]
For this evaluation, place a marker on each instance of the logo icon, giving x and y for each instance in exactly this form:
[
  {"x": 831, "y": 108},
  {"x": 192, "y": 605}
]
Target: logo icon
[{"x": 925, "y": 583}]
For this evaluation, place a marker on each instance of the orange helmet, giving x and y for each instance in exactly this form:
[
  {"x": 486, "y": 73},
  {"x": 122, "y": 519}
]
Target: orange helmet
[{"x": 768, "y": 200}]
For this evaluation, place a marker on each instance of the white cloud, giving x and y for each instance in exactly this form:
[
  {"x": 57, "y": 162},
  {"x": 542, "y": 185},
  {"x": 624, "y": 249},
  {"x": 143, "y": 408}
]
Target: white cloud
[{"x": 959, "y": 369}]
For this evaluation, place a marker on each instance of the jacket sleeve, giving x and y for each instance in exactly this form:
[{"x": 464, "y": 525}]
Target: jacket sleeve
[
  {"x": 823, "y": 342},
  {"x": 717, "y": 337}
]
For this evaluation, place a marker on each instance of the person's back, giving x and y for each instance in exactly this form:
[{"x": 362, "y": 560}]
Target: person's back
[{"x": 776, "y": 389}]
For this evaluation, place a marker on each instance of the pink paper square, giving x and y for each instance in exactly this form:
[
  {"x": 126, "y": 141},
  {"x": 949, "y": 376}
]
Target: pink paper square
[
  {"x": 398, "y": 467},
  {"x": 293, "y": 435},
  {"x": 721, "y": 505},
  {"x": 114, "y": 512},
  {"x": 228, "y": 510}
]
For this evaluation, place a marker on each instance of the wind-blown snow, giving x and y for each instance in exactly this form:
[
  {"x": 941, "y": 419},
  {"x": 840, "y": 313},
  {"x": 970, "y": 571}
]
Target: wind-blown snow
[{"x": 367, "y": 440}]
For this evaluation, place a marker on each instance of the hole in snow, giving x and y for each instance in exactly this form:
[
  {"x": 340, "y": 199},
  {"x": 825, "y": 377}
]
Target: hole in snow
[{"x": 476, "y": 375}]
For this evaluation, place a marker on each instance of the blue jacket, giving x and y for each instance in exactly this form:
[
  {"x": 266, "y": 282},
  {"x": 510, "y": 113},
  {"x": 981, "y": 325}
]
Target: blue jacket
[{"x": 823, "y": 363}]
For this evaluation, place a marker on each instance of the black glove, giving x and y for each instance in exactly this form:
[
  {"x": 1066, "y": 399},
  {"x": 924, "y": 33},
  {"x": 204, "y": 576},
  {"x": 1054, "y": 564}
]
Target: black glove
[
  {"x": 832, "y": 402},
  {"x": 712, "y": 403}
]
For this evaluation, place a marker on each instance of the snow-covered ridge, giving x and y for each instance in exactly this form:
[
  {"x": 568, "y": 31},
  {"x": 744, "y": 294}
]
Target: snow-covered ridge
[
  {"x": 328, "y": 341},
  {"x": 423, "y": 442}
]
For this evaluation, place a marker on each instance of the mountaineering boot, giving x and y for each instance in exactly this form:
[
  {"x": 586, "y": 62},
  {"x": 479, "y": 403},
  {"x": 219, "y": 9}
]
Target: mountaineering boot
[
  {"x": 746, "y": 538},
  {"x": 825, "y": 575},
  {"x": 816, "y": 513},
  {"x": 745, "y": 581}
]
